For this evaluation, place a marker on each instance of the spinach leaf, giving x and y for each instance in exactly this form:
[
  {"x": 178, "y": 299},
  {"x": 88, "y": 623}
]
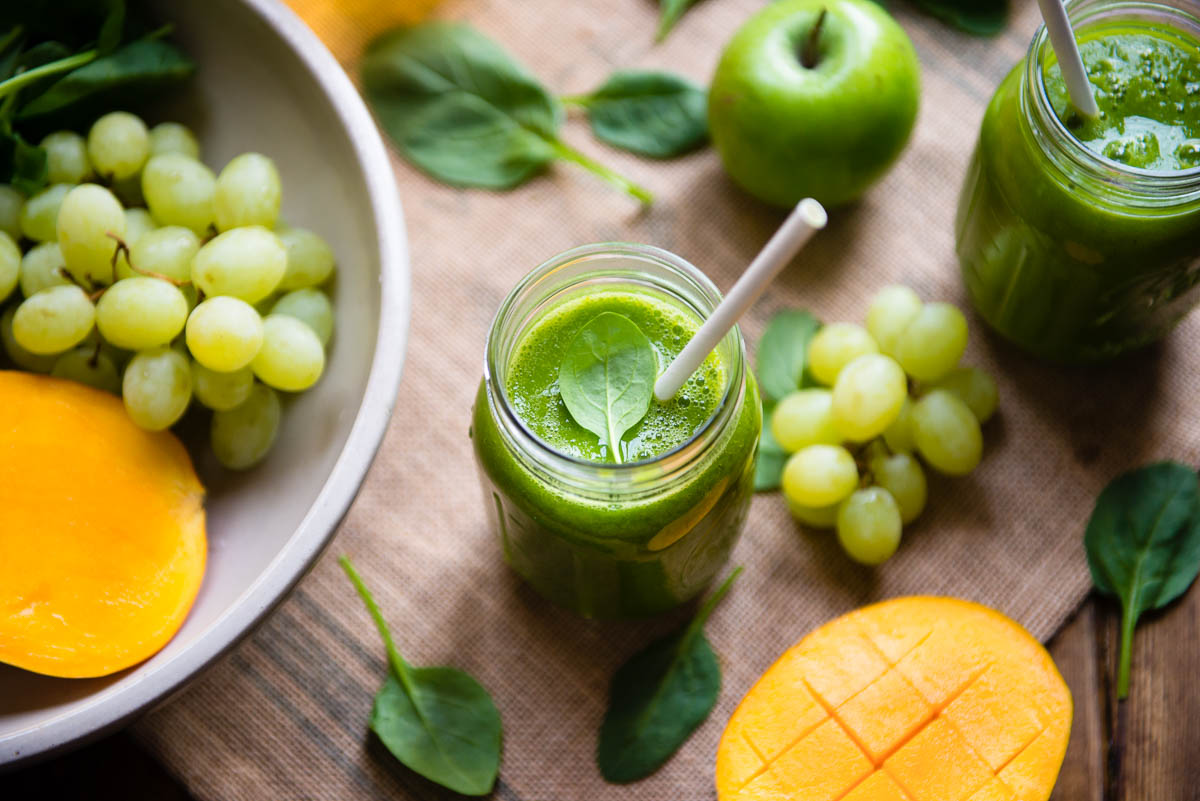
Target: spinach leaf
[
  {"x": 659, "y": 697},
  {"x": 606, "y": 378},
  {"x": 438, "y": 721},
  {"x": 768, "y": 469},
  {"x": 980, "y": 17},
  {"x": 669, "y": 13},
  {"x": 655, "y": 114},
  {"x": 783, "y": 352},
  {"x": 458, "y": 107},
  {"x": 1143, "y": 544},
  {"x": 26, "y": 164}
]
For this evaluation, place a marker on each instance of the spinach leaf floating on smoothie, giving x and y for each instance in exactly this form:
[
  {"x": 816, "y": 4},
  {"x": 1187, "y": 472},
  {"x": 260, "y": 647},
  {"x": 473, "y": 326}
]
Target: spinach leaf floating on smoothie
[
  {"x": 607, "y": 378},
  {"x": 438, "y": 721},
  {"x": 1143, "y": 544},
  {"x": 655, "y": 114},
  {"x": 461, "y": 109},
  {"x": 783, "y": 352},
  {"x": 659, "y": 697}
]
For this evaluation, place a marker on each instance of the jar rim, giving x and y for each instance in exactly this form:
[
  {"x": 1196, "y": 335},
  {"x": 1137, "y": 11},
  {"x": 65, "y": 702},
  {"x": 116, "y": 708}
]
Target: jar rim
[
  {"x": 672, "y": 460},
  {"x": 1082, "y": 12}
]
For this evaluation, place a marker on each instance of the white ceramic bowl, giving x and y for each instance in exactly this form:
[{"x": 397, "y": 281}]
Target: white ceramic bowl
[{"x": 265, "y": 82}]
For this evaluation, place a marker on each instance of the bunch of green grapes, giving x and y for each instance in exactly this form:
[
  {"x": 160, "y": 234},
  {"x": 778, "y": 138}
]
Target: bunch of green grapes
[
  {"x": 141, "y": 272},
  {"x": 892, "y": 396}
]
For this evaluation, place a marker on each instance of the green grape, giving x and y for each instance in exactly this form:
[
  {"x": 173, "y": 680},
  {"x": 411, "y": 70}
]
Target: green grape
[
  {"x": 66, "y": 158},
  {"x": 902, "y": 476},
  {"x": 890, "y": 312},
  {"x": 11, "y": 203},
  {"x": 309, "y": 259},
  {"x": 835, "y": 346},
  {"x": 88, "y": 364},
  {"x": 291, "y": 357},
  {"x": 118, "y": 145},
  {"x": 166, "y": 251},
  {"x": 88, "y": 220},
  {"x": 54, "y": 319},
  {"x": 41, "y": 268},
  {"x": 179, "y": 191},
  {"x": 141, "y": 312},
  {"x": 933, "y": 342},
  {"x": 10, "y": 265},
  {"x": 803, "y": 418},
  {"x": 137, "y": 223},
  {"x": 310, "y": 306},
  {"x": 248, "y": 193},
  {"x": 129, "y": 191},
  {"x": 171, "y": 137},
  {"x": 947, "y": 433},
  {"x": 868, "y": 396},
  {"x": 21, "y": 357},
  {"x": 868, "y": 526},
  {"x": 820, "y": 517},
  {"x": 973, "y": 387},
  {"x": 242, "y": 436},
  {"x": 39, "y": 215},
  {"x": 244, "y": 263},
  {"x": 819, "y": 475},
  {"x": 899, "y": 435},
  {"x": 224, "y": 334},
  {"x": 157, "y": 388},
  {"x": 221, "y": 391}
]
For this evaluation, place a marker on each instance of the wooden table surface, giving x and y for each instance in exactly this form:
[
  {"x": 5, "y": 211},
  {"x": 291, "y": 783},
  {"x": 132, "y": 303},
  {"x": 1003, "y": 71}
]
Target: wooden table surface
[{"x": 1144, "y": 749}]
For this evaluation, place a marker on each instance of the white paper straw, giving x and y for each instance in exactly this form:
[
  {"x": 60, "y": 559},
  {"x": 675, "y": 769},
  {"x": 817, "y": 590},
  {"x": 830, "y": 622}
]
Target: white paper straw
[
  {"x": 806, "y": 219},
  {"x": 1062, "y": 39}
]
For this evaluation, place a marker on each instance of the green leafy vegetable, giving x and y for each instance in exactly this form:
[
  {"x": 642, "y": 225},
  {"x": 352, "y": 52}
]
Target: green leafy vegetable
[
  {"x": 980, "y": 17},
  {"x": 659, "y": 697},
  {"x": 438, "y": 721},
  {"x": 458, "y": 107},
  {"x": 669, "y": 13},
  {"x": 783, "y": 352},
  {"x": 1143, "y": 544},
  {"x": 768, "y": 469},
  {"x": 606, "y": 378},
  {"x": 656, "y": 114}
]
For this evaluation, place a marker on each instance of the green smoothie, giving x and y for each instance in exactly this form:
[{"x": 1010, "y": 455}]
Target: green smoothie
[
  {"x": 1078, "y": 238},
  {"x": 613, "y": 540}
]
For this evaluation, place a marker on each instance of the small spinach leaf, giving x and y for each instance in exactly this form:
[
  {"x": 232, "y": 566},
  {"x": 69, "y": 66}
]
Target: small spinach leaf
[
  {"x": 980, "y": 17},
  {"x": 783, "y": 352},
  {"x": 1143, "y": 544},
  {"x": 460, "y": 108},
  {"x": 438, "y": 721},
  {"x": 669, "y": 13},
  {"x": 768, "y": 469},
  {"x": 659, "y": 697},
  {"x": 655, "y": 114},
  {"x": 606, "y": 378}
]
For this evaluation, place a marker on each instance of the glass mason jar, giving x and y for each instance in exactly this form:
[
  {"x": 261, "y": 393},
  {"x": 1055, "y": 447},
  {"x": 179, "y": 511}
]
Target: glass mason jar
[
  {"x": 615, "y": 540},
  {"x": 1068, "y": 254}
]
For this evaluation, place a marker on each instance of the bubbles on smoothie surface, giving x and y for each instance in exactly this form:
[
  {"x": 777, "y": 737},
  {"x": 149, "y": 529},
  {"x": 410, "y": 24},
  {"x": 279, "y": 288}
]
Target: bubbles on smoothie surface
[
  {"x": 532, "y": 379},
  {"x": 1147, "y": 86}
]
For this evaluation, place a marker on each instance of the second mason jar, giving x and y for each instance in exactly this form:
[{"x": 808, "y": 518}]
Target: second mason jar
[
  {"x": 1079, "y": 239},
  {"x": 603, "y": 538}
]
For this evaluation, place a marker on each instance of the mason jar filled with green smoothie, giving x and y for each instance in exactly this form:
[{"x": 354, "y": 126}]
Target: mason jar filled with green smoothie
[
  {"x": 1079, "y": 238},
  {"x": 638, "y": 514}
]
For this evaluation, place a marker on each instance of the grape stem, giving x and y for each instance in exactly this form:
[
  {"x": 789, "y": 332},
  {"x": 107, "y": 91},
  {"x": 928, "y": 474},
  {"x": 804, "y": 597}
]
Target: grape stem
[
  {"x": 124, "y": 248},
  {"x": 94, "y": 359}
]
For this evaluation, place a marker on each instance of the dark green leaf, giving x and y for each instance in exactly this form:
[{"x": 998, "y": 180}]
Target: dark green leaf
[
  {"x": 438, "y": 721},
  {"x": 656, "y": 114},
  {"x": 669, "y": 13},
  {"x": 112, "y": 28},
  {"x": 28, "y": 167},
  {"x": 768, "y": 470},
  {"x": 607, "y": 378},
  {"x": 659, "y": 697},
  {"x": 783, "y": 352},
  {"x": 1143, "y": 544},
  {"x": 980, "y": 17}
]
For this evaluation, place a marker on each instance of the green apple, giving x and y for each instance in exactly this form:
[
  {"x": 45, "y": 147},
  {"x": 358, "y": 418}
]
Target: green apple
[{"x": 814, "y": 98}]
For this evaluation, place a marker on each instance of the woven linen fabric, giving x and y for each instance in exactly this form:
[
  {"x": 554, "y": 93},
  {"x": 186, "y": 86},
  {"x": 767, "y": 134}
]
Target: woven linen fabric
[{"x": 285, "y": 716}]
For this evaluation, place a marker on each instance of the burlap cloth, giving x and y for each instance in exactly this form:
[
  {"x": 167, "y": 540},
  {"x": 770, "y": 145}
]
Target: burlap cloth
[{"x": 284, "y": 717}]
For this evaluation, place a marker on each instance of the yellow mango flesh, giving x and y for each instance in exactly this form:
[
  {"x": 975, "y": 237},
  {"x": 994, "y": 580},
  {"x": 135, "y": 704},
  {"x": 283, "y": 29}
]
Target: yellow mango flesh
[
  {"x": 102, "y": 543},
  {"x": 914, "y": 699}
]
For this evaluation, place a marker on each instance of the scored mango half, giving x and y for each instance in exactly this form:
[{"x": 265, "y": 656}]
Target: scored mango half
[{"x": 913, "y": 699}]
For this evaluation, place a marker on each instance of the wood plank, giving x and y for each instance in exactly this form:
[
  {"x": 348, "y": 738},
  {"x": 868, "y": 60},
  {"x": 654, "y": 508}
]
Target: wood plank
[{"x": 1074, "y": 650}]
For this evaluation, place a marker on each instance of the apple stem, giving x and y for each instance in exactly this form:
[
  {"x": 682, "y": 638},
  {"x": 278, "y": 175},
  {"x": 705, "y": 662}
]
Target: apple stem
[{"x": 808, "y": 54}]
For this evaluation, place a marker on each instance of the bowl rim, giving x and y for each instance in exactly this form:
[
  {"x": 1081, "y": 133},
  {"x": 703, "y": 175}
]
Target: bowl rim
[{"x": 113, "y": 707}]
